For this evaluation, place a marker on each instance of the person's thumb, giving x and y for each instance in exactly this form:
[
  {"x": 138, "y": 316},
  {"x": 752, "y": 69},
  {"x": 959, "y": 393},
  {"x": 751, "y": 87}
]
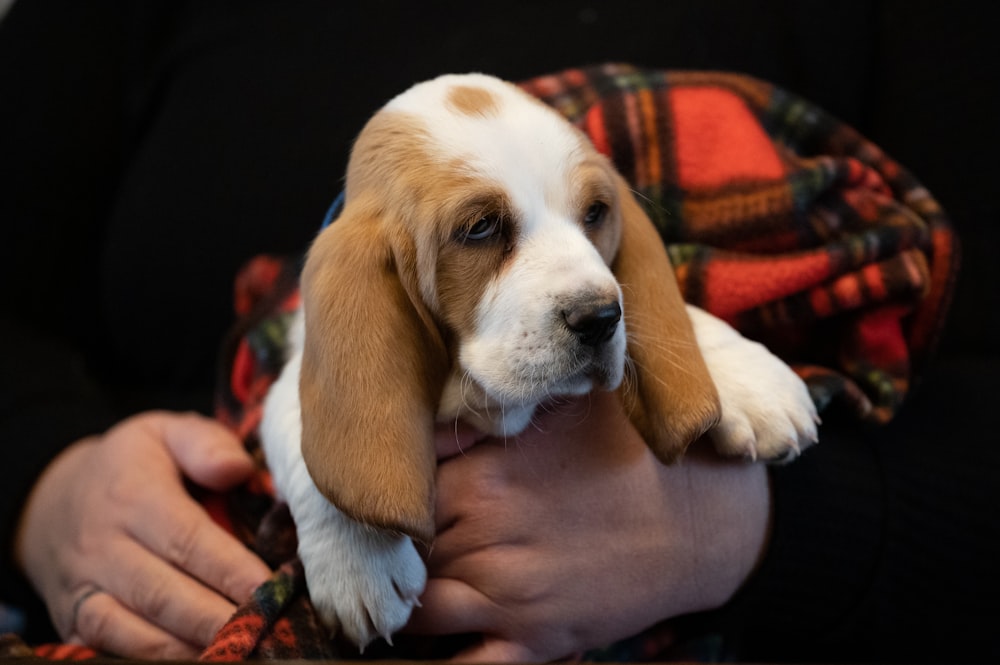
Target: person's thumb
[{"x": 206, "y": 452}]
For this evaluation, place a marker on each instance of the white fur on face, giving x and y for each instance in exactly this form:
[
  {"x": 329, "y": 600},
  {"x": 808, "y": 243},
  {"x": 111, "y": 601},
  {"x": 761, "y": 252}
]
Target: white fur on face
[{"x": 521, "y": 352}]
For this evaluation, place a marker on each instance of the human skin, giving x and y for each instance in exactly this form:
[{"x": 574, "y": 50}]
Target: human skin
[
  {"x": 572, "y": 535},
  {"x": 111, "y": 514},
  {"x": 531, "y": 532}
]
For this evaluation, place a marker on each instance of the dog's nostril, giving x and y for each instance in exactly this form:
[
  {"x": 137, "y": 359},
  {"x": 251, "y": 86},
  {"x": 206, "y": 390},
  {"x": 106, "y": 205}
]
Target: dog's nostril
[{"x": 594, "y": 324}]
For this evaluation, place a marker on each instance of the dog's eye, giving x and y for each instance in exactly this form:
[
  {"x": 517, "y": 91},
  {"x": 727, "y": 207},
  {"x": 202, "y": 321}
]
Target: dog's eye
[
  {"x": 486, "y": 227},
  {"x": 594, "y": 214}
]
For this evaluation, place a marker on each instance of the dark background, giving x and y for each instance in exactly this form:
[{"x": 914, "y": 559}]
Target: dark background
[
  {"x": 917, "y": 78},
  {"x": 147, "y": 149}
]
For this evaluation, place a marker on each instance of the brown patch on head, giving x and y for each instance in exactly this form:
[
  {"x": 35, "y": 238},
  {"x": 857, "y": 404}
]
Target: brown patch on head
[
  {"x": 431, "y": 199},
  {"x": 472, "y": 101},
  {"x": 466, "y": 267}
]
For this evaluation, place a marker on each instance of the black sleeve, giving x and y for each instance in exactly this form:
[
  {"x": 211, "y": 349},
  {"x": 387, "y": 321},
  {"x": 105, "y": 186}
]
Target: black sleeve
[
  {"x": 47, "y": 402},
  {"x": 59, "y": 153},
  {"x": 885, "y": 539}
]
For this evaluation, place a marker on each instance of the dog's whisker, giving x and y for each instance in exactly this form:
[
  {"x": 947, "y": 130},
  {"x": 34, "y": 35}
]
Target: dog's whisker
[
  {"x": 633, "y": 322},
  {"x": 467, "y": 381},
  {"x": 674, "y": 349},
  {"x": 673, "y": 360},
  {"x": 590, "y": 407},
  {"x": 675, "y": 353},
  {"x": 458, "y": 441},
  {"x": 652, "y": 375},
  {"x": 656, "y": 341},
  {"x": 502, "y": 406}
]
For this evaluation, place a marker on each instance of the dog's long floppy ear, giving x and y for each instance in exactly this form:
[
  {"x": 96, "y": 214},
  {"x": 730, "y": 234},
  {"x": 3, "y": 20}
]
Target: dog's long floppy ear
[
  {"x": 373, "y": 368},
  {"x": 672, "y": 399}
]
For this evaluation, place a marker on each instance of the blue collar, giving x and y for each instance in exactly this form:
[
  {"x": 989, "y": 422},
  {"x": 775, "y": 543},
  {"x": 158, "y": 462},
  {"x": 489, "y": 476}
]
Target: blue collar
[{"x": 334, "y": 211}]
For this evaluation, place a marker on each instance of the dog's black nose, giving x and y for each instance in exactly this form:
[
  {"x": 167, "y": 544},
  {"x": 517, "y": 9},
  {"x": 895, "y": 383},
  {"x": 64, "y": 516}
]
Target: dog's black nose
[{"x": 592, "y": 323}]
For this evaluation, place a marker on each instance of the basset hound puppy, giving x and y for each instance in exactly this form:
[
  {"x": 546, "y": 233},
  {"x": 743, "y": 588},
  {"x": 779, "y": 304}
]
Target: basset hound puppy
[{"x": 487, "y": 259}]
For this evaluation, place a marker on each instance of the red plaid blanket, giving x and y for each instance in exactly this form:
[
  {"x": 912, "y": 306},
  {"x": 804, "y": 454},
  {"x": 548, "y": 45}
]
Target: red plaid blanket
[{"x": 778, "y": 218}]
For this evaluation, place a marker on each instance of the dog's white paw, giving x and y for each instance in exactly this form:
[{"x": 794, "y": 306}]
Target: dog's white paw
[
  {"x": 767, "y": 413},
  {"x": 766, "y": 410},
  {"x": 365, "y": 581}
]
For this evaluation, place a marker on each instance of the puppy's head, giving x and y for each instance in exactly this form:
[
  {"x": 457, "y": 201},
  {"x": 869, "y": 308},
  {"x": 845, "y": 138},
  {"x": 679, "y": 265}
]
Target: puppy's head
[{"x": 483, "y": 238}]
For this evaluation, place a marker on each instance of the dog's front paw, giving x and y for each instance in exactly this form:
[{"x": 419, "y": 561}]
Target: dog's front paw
[
  {"x": 767, "y": 413},
  {"x": 362, "y": 580}
]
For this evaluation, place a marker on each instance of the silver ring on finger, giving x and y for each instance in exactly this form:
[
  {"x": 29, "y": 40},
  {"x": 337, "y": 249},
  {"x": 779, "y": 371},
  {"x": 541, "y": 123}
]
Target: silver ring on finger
[{"x": 85, "y": 595}]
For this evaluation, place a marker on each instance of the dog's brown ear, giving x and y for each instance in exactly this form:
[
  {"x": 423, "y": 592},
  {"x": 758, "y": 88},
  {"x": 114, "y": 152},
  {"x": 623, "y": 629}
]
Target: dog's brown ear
[
  {"x": 670, "y": 397},
  {"x": 373, "y": 367}
]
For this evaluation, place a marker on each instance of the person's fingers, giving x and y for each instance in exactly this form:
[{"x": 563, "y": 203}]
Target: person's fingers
[
  {"x": 165, "y": 596},
  {"x": 496, "y": 650},
  {"x": 205, "y": 451},
  {"x": 182, "y": 533},
  {"x": 449, "y": 607},
  {"x": 480, "y": 472},
  {"x": 106, "y": 625},
  {"x": 179, "y": 569}
]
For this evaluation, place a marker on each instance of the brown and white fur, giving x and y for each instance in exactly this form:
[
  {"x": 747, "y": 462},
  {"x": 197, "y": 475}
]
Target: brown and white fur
[{"x": 488, "y": 258}]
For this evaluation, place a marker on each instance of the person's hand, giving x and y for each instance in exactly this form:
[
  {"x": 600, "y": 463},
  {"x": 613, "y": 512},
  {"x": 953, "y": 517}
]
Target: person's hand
[
  {"x": 573, "y": 535},
  {"x": 124, "y": 558}
]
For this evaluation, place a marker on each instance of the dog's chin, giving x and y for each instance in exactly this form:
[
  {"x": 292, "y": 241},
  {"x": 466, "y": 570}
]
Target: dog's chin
[
  {"x": 583, "y": 383},
  {"x": 507, "y": 410}
]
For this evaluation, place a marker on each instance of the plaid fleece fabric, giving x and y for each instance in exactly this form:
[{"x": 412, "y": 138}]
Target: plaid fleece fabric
[{"x": 778, "y": 218}]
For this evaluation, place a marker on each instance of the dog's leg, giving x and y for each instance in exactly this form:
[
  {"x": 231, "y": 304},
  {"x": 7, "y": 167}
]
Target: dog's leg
[
  {"x": 766, "y": 410},
  {"x": 362, "y": 580}
]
